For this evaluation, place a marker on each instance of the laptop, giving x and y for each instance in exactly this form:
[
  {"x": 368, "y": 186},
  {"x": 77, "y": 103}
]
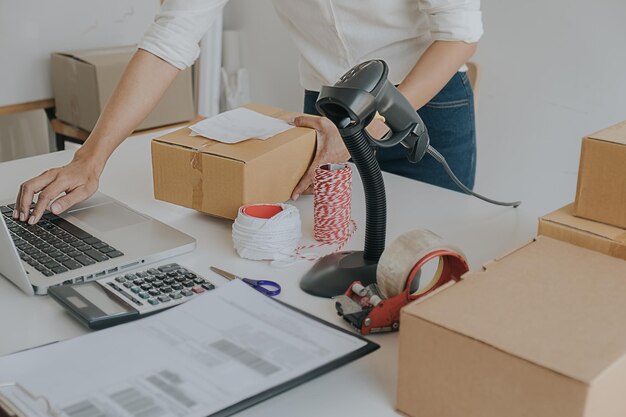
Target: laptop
[{"x": 94, "y": 239}]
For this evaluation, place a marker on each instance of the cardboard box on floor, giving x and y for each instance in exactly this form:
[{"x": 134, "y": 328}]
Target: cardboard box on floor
[
  {"x": 84, "y": 80},
  {"x": 217, "y": 178},
  {"x": 563, "y": 225},
  {"x": 601, "y": 191},
  {"x": 540, "y": 332}
]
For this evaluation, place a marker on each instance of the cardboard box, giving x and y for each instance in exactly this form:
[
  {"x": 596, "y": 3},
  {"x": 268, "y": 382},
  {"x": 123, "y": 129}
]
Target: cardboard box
[
  {"x": 601, "y": 191},
  {"x": 540, "y": 332},
  {"x": 563, "y": 225},
  {"x": 84, "y": 80},
  {"x": 217, "y": 178}
]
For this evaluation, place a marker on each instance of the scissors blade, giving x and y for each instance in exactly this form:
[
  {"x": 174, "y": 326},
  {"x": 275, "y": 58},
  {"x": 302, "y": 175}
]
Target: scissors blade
[{"x": 223, "y": 273}]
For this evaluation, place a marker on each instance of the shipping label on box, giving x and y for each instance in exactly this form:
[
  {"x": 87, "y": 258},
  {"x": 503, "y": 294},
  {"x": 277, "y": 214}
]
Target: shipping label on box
[
  {"x": 601, "y": 190},
  {"x": 217, "y": 178},
  {"x": 539, "y": 332}
]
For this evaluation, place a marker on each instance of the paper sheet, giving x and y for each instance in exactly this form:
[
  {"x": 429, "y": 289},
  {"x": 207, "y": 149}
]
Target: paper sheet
[
  {"x": 190, "y": 361},
  {"x": 238, "y": 125}
]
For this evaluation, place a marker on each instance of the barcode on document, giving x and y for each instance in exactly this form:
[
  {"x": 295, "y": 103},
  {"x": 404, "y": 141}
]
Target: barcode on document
[
  {"x": 171, "y": 390},
  {"x": 84, "y": 409},
  {"x": 136, "y": 403},
  {"x": 245, "y": 357}
]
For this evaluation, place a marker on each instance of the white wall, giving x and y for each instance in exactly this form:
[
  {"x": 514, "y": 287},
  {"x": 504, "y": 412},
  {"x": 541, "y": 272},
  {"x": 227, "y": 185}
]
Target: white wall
[
  {"x": 552, "y": 71},
  {"x": 267, "y": 52}
]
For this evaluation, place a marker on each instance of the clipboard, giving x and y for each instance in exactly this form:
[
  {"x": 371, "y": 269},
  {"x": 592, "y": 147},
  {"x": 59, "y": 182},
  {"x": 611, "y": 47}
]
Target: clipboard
[
  {"x": 337, "y": 363},
  {"x": 46, "y": 407}
]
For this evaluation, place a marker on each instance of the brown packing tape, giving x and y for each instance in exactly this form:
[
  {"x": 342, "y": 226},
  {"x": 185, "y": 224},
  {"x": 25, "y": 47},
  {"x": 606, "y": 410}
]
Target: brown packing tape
[{"x": 197, "y": 194}]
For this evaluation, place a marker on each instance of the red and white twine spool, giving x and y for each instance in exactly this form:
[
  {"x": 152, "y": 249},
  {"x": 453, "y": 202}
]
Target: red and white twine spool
[{"x": 332, "y": 207}]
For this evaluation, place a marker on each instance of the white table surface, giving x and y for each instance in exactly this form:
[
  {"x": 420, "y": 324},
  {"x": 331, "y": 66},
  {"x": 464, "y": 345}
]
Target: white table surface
[{"x": 366, "y": 387}]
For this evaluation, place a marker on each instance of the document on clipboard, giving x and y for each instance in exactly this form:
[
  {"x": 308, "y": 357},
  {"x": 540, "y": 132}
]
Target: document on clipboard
[{"x": 212, "y": 356}]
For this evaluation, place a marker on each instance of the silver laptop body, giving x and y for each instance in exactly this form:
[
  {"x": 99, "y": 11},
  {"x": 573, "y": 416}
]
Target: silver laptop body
[{"x": 140, "y": 238}]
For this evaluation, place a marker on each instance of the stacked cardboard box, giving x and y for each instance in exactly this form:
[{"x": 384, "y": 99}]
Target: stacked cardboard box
[
  {"x": 597, "y": 219},
  {"x": 84, "y": 80}
]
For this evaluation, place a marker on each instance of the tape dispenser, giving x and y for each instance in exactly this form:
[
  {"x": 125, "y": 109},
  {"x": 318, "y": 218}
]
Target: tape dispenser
[{"x": 400, "y": 274}]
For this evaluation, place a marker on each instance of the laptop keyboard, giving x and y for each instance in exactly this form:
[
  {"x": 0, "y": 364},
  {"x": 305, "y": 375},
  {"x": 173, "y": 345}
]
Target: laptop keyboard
[{"x": 54, "y": 245}]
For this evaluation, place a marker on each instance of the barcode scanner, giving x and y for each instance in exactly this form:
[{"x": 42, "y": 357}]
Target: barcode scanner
[
  {"x": 353, "y": 101},
  {"x": 351, "y": 104}
]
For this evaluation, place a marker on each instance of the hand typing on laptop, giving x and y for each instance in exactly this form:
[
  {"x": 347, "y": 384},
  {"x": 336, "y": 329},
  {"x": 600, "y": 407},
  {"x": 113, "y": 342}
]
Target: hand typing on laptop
[{"x": 78, "y": 180}]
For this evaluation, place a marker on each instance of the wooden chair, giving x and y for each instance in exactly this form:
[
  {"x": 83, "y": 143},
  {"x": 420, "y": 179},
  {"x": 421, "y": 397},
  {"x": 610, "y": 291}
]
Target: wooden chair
[{"x": 473, "y": 73}]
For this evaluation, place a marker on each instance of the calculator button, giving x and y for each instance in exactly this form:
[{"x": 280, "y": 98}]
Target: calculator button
[
  {"x": 138, "y": 281},
  {"x": 168, "y": 267},
  {"x": 121, "y": 280},
  {"x": 150, "y": 278},
  {"x": 176, "y": 295},
  {"x": 169, "y": 281},
  {"x": 188, "y": 283},
  {"x": 177, "y": 286},
  {"x": 172, "y": 274},
  {"x": 158, "y": 284},
  {"x": 181, "y": 278},
  {"x": 198, "y": 281},
  {"x": 146, "y": 287},
  {"x": 208, "y": 286},
  {"x": 166, "y": 289},
  {"x": 187, "y": 293},
  {"x": 190, "y": 275},
  {"x": 153, "y": 271},
  {"x": 153, "y": 301},
  {"x": 144, "y": 295},
  {"x": 164, "y": 298},
  {"x": 198, "y": 290},
  {"x": 128, "y": 284},
  {"x": 154, "y": 293},
  {"x": 142, "y": 274},
  {"x": 135, "y": 289}
]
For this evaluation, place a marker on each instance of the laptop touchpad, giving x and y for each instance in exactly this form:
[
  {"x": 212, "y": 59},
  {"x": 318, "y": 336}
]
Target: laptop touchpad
[{"x": 107, "y": 217}]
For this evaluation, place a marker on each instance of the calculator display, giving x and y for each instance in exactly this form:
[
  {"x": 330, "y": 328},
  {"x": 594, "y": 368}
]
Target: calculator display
[{"x": 99, "y": 298}]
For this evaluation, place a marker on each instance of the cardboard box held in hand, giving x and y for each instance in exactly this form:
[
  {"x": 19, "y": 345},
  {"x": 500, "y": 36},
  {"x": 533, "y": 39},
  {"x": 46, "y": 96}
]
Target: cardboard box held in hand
[
  {"x": 217, "y": 178},
  {"x": 540, "y": 332}
]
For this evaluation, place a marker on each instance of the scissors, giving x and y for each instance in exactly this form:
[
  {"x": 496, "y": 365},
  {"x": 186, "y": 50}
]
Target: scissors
[{"x": 269, "y": 288}]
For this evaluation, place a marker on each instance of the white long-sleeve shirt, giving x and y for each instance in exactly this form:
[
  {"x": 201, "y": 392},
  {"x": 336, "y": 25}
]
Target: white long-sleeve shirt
[{"x": 331, "y": 35}]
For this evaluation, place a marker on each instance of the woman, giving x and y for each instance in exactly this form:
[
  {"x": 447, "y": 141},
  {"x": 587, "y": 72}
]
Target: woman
[{"x": 425, "y": 42}]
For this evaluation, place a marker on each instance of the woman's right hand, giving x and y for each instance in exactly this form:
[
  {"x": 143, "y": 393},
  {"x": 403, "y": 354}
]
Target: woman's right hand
[{"x": 78, "y": 180}]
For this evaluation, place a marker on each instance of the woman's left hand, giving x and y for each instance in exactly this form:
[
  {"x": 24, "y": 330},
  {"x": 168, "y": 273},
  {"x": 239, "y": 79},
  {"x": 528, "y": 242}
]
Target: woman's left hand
[{"x": 330, "y": 149}]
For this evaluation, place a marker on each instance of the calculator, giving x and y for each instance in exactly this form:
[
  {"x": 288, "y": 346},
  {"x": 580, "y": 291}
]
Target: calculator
[{"x": 119, "y": 299}]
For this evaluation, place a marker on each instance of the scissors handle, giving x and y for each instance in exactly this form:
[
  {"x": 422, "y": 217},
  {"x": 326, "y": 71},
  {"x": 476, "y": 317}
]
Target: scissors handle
[{"x": 269, "y": 288}]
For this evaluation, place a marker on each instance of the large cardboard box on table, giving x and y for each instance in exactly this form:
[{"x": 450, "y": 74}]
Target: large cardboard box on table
[
  {"x": 601, "y": 191},
  {"x": 217, "y": 178},
  {"x": 563, "y": 225},
  {"x": 540, "y": 332},
  {"x": 84, "y": 80}
]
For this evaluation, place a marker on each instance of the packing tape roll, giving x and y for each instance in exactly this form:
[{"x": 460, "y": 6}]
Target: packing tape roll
[{"x": 402, "y": 261}]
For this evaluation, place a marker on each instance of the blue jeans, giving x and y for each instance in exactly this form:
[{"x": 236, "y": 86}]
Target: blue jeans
[{"x": 449, "y": 117}]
